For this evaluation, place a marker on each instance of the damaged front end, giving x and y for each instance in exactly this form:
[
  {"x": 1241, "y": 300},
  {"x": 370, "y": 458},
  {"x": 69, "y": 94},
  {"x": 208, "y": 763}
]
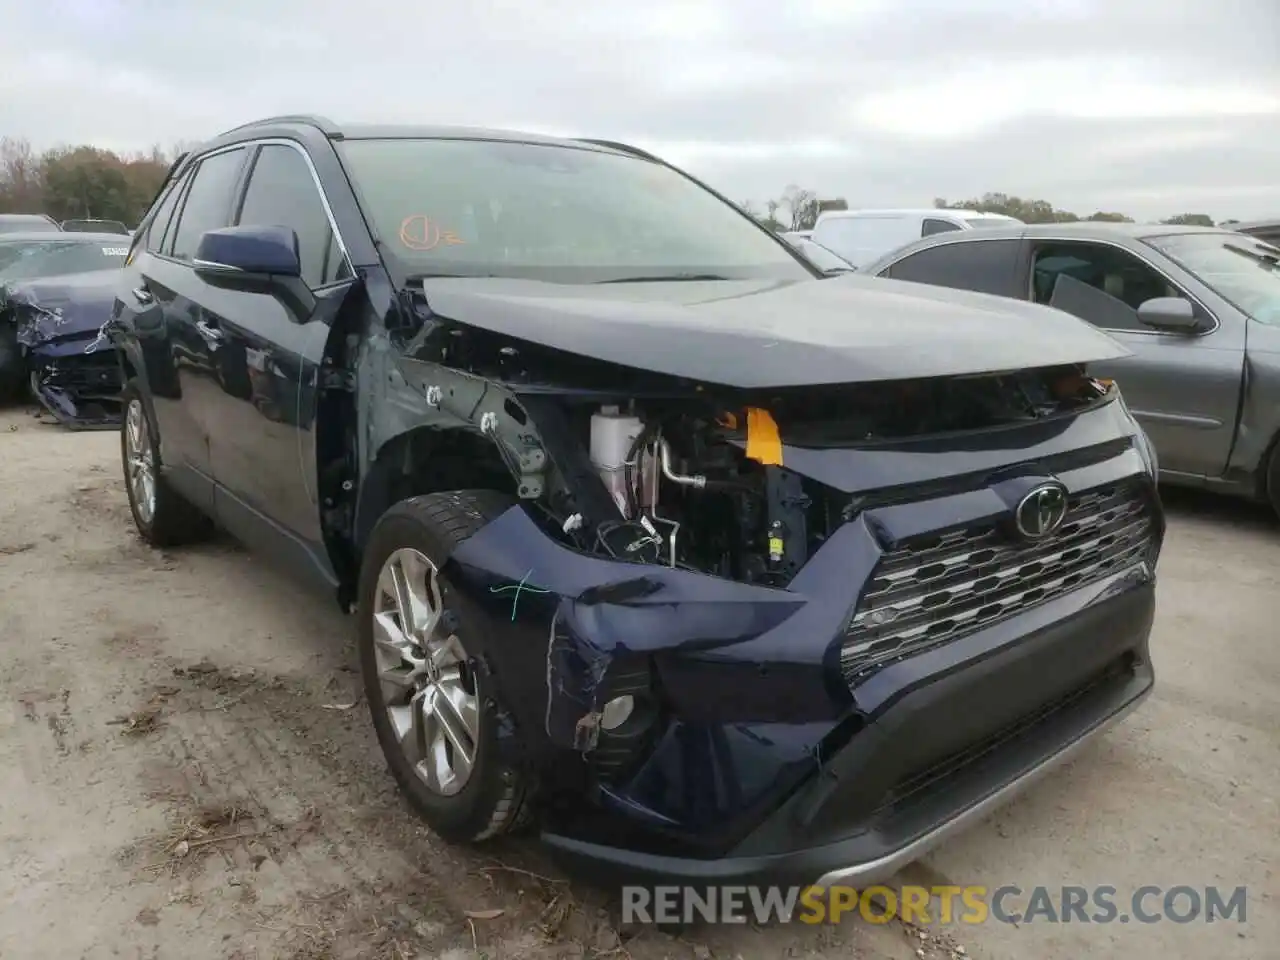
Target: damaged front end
[
  {"x": 709, "y": 595},
  {"x": 60, "y": 328}
]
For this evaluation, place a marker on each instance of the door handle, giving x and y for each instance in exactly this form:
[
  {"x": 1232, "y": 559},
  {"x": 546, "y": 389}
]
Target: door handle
[
  {"x": 142, "y": 295},
  {"x": 212, "y": 335}
]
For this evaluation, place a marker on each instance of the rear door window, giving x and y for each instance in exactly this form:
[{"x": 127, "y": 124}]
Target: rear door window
[
  {"x": 983, "y": 266},
  {"x": 208, "y": 202}
]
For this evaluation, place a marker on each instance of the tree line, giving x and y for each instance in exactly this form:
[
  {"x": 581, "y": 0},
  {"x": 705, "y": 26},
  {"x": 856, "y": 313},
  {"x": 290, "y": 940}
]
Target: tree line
[
  {"x": 798, "y": 209},
  {"x": 80, "y": 182}
]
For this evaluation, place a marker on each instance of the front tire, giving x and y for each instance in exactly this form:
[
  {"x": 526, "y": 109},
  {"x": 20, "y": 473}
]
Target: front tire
[
  {"x": 162, "y": 516},
  {"x": 433, "y": 711}
]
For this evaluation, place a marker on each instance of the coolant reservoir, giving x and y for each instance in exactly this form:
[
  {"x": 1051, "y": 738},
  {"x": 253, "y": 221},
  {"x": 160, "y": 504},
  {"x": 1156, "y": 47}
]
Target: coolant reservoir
[{"x": 612, "y": 434}]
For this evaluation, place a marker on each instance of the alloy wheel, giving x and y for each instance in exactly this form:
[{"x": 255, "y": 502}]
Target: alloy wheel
[
  {"x": 428, "y": 689},
  {"x": 140, "y": 461}
]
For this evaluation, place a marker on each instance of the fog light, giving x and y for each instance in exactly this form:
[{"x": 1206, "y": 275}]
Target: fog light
[{"x": 617, "y": 711}]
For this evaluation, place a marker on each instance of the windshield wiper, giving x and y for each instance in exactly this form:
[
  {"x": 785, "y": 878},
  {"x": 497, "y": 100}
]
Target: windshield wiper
[
  {"x": 666, "y": 278},
  {"x": 1267, "y": 260}
]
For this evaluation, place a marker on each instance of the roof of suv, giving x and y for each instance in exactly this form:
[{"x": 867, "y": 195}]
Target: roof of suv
[{"x": 278, "y": 126}]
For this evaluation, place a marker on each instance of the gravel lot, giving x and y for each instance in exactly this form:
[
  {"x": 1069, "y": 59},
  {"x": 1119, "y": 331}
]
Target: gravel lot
[{"x": 184, "y": 773}]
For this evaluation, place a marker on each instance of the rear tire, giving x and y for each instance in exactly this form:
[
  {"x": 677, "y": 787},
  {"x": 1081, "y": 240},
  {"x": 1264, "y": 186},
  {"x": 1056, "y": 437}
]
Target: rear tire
[
  {"x": 162, "y": 516},
  {"x": 433, "y": 712}
]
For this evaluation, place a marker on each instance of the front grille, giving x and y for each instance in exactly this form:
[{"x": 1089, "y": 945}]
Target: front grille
[{"x": 936, "y": 589}]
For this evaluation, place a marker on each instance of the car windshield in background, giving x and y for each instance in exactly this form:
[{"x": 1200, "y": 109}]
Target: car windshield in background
[
  {"x": 486, "y": 208},
  {"x": 13, "y": 250},
  {"x": 95, "y": 226},
  {"x": 821, "y": 257},
  {"x": 1241, "y": 269},
  {"x": 36, "y": 259},
  {"x": 979, "y": 222},
  {"x": 27, "y": 223}
]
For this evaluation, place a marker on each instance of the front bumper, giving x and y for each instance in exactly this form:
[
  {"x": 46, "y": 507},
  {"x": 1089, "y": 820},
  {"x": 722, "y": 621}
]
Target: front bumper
[
  {"x": 771, "y": 758},
  {"x": 81, "y": 390},
  {"x": 870, "y": 811}
]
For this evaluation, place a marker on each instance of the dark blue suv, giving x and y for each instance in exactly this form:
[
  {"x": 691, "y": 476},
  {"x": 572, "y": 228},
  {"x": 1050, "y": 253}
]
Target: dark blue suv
[{"x": 707, "y": 565}]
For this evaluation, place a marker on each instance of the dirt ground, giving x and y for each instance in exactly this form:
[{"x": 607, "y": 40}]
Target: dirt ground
[{"x": 186, "y": 770}]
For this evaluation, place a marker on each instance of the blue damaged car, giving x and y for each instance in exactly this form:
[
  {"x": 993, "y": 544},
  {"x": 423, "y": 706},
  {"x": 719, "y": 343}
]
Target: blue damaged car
[
  {"x": 56, "y": 291},
  {"x": 657, "y": 541}
]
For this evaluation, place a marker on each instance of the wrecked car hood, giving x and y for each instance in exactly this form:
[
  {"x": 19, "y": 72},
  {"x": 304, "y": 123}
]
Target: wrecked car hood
[
  {"x": 52, "y": 309},
  {"x": 753, "y": 334}
]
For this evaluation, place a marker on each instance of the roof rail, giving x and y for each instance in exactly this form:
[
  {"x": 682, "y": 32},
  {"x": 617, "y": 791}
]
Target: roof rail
[
  {"x": 616, "y": 145},
  {"x": 324, "y": 124}
]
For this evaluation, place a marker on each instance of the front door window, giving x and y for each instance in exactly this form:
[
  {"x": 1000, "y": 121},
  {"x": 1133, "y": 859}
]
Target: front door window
[{"x": 1126, "y": 281}]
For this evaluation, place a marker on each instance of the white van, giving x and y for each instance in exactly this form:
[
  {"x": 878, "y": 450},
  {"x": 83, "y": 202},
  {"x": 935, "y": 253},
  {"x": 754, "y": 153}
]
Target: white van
[{"x": 861, "y": 236}]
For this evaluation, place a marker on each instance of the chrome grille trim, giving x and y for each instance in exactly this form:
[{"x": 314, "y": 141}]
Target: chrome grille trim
[{"x": 937, "y": 589}]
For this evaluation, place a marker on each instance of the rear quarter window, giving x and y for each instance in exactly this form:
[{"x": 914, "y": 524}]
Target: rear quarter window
[{"x": 151, "y": 230}]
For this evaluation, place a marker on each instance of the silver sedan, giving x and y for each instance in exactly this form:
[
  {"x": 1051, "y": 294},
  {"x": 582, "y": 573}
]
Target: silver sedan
[{"x": 1198, "y": 307}]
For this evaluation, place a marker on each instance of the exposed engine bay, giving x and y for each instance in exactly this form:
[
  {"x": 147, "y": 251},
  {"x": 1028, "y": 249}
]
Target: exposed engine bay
[{"x": 701, "y": 483}]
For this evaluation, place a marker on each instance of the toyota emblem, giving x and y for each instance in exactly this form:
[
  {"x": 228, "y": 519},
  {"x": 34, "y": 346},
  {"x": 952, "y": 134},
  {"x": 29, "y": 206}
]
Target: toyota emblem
[{"x": 1041, "y": 511}]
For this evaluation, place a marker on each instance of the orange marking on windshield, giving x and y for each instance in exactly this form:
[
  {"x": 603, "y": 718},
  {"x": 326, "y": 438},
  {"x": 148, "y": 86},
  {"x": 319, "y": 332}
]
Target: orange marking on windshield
[{"x": 419, "y": 232}]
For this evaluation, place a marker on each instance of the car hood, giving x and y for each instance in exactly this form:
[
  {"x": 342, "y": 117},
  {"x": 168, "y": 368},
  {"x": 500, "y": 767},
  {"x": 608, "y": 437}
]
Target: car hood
[
  {"x": 53, "y": 309},
  {"x": 753, "y": 334}
]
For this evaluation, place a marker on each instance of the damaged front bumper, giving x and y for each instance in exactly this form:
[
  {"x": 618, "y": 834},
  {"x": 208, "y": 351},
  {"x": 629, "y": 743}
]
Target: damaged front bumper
[
  {"x": 746, "y": 748},
  {"x": 64, "y": 351},
  {"x": 80, "y": 389},
  {"x": 878, "y": 804}
]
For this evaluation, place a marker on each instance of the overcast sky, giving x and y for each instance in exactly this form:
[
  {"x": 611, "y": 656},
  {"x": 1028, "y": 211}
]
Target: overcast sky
[{"x": 1150, "y": 107}]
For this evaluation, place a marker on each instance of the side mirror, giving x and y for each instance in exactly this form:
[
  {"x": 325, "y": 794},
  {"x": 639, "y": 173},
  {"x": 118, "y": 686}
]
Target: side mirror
[
  {"x": 248, "y": 252},
  {"x": 1169, "y": 313}
]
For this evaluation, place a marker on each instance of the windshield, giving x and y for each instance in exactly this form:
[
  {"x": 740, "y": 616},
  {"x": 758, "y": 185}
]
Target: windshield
[
  {"x": 35, "y": 259},
  {"x": 977, "y": 223},
  {"x": 553, "y": 213},
  {"x": 1241, "y": 269},
  {"x": 13, "y": 250}
]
